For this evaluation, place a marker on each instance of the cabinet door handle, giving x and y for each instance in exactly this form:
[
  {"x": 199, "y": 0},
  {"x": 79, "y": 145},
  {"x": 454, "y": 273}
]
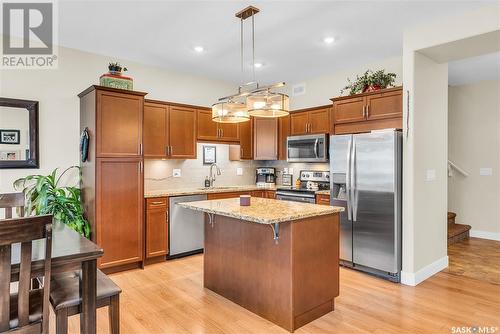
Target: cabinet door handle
[
  {"x": 367, "y": 110},
  {"x": 171, "y": 150},
  {"x": 364, "y": 111},
  {"x": 141, "y": 169},
  {"x": 166, "y": 151},
  {"x": 222, "y": 132},
  {"x": 140, "y": 148}
]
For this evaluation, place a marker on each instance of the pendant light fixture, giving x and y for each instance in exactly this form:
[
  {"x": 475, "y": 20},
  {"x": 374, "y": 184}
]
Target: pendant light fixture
[{"x": 258, "y": 101}]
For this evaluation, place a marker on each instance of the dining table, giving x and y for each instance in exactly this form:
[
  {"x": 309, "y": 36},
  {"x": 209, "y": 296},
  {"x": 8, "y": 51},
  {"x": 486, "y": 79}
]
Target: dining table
[{"x": 70, "y": 252}]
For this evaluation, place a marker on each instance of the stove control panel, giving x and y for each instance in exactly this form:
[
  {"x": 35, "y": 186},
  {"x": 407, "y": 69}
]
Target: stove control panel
[{"x": 315, "y": 176}]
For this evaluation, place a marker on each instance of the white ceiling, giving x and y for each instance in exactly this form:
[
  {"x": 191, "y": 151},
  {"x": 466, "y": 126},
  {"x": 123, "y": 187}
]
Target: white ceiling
[
  {"x": 289, "y": 34},
  {"x": 470, "y": 70}
]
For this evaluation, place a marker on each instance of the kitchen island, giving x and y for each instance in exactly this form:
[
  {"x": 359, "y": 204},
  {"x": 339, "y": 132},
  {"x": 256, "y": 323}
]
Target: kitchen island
[{"x": 278, "y": 259}]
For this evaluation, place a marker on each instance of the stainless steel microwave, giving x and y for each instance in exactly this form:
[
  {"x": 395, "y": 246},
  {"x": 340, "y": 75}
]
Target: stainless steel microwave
[{"x": 308, "y": 148}]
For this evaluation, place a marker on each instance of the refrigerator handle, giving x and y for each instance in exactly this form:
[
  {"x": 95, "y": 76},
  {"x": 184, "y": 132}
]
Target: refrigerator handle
[
  {"x": 353, "y": 184},
  {"x": 348, "y": 179}
]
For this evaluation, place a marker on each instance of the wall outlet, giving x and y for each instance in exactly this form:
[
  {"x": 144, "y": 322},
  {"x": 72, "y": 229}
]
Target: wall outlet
[
  {"x": 239, "y": 171},
  {"x": 430, "y": 175},
  {"x": 176, "y": 173},
  {"x": 290, "y": 170},
  {"x": 485, "y": 171}
]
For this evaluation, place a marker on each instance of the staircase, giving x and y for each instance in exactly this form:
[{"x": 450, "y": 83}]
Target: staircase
[{"x": 456, "y": 232}]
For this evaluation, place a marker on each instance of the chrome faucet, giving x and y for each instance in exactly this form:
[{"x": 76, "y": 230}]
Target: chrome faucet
[{"x": 212, "y": 175}]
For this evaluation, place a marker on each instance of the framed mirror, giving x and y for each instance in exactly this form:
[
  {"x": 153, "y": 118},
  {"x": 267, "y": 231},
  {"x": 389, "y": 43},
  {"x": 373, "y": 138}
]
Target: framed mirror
[{"x": 18, "y": 133}]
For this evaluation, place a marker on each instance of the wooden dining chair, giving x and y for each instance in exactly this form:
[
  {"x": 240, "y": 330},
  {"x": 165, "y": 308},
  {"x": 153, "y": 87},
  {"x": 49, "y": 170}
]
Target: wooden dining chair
[
  {"x": 9, "y": 202},
  {"x": 66, "y": 301},
  {"x": 27, "y": 310}
]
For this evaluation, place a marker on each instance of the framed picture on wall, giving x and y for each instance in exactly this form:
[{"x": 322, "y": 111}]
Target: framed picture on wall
[
  {"x": 10, "y": 137},
  {"x": 209, "y": 155}
]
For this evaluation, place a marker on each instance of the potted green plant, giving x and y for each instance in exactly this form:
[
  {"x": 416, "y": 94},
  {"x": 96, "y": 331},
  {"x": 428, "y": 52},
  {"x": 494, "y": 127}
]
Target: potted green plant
[
  {"x": 370, "y": 81},
  {"x": 45, "y": 195},
  {"x": 116, "y": 68}
]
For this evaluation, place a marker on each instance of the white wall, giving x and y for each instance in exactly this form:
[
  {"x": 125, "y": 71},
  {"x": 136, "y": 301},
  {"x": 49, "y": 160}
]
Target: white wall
[
  {"x": 321, "y": 89},
  {"x": 474, "y": 143},
  {"x": 425, "y": 142},
  {"x": 59, "y": 105}
]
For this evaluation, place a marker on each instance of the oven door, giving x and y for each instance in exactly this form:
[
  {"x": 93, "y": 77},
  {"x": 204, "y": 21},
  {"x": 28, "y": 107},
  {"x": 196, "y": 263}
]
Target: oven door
[
  {"x": 295, "y": 197},
  {"x": 310, "y": 148}
]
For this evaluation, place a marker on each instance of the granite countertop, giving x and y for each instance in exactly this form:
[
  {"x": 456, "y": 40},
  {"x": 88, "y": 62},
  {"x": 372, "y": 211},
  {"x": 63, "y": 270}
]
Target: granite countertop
[
  {"x": 262, "y": 210},
  {"x": 196, "y": 191}
]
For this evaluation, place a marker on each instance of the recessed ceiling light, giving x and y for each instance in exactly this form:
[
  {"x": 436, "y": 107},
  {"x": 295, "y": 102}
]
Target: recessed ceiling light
[
  {"x": 329, "y": 40},
  {"x": 258, "y": 65},
  {"x": 199, "y": 49}
]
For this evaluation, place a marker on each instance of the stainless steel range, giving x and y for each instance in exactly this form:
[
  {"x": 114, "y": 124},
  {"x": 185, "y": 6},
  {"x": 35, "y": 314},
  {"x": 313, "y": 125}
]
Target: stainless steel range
[{"x": 310, "y": 182}]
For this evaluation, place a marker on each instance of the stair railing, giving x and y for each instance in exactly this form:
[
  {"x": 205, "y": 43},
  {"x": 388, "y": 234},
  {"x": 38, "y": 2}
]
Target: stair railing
[{"x": 452, "y": 165}]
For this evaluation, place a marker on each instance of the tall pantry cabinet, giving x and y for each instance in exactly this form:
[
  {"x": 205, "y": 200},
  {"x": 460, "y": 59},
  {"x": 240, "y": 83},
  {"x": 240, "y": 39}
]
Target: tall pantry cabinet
[{"x": 112, "y": 176}]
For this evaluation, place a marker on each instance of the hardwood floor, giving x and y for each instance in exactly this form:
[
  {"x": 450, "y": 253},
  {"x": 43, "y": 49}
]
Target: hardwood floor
[
  {"x": 169, "y": 298},
  {"x": 475, "y": 258}
]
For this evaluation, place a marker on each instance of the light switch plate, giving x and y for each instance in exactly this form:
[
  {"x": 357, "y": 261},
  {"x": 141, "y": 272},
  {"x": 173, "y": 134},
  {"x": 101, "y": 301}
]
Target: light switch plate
[
  {"x": 430, "y": 175},
  {"x": 239, "y": 171},
  {"x": 290, "y": 170},
  {"x": 176, "y": 173},
  {"x": 485, "y": 171}
]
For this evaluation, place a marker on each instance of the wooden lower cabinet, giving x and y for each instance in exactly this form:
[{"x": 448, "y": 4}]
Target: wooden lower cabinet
[
  {"x": 119, "y": 211},
  {"x": 156, "y": 227},
  {"x": 233, "y": 194},
  {"x": 271, "y": 194},
  {"x": 322, "y": 199}
]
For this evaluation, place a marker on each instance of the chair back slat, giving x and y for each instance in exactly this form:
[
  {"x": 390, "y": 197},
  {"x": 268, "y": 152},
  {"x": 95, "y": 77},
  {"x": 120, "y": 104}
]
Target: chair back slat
[
  {"x": 23, "y": 297},
  {"x": 10, "y": 201},
  {"x": 25, "y": 231},
  {"x": 5, "y": 255}
]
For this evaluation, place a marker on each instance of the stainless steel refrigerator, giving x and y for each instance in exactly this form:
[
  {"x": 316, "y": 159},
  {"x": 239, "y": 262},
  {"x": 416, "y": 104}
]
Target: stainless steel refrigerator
[{"x": 366, "y": 179}]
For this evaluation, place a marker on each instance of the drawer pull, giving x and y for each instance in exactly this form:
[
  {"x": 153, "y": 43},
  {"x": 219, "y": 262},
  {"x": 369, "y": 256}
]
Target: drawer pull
[{"x": 157, "y": 203}]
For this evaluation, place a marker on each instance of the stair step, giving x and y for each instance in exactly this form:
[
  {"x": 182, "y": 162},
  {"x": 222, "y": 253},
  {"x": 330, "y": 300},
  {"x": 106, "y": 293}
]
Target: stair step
[{"x": 457, "y": 232}]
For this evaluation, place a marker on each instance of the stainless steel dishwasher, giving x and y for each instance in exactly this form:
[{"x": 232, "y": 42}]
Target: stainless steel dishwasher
[{"x": 185, "y": 227}]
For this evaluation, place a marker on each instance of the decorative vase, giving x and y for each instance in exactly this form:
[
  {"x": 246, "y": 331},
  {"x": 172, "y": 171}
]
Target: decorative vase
[{"x": 371, "y": 88}]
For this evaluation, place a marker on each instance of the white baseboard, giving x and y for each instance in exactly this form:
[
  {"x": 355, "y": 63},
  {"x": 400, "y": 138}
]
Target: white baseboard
[
  {"x": 413, "y": 279},
  {"x": 485, "y": 235}
]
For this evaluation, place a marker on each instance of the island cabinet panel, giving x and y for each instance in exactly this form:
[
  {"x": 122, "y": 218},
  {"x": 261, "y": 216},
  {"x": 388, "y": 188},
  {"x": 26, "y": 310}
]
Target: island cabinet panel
[
  {"x": 156, "y": 135},
  {"x": 290, "y": 282},
  {"x": 119, "y": 210},
  {"x": 208, "y": 130},
  {"x": 265, "y": 141},
  {"x": 156, "y": 227},
  {"x": 182, "y": 132},
  {"x": 119, "y": 124},
  {"x": 246, "y": 140},
  {"x": 368, "y": 111}
]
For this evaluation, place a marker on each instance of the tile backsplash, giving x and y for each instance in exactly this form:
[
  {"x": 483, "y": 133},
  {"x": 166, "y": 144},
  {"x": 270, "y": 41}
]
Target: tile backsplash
[{"x": 158, "y": 173}]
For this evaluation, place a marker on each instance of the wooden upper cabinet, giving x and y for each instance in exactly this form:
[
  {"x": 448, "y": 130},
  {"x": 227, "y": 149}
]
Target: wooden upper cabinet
[
  {"x": 319, "y": 120},
  {"x": 156, "y": 134},
  {"x": 156, "y": 227},
  {"x": 182, "y": 132},
  {"x": 351, "y": 110},
  {"x": 207, "y": 129},
  {"x": 385, "y": 105},
  {"x": 119, "y": 124},
  {"x": 229, "y": 132},
  {"x": 265, "y": 139},
  {"x": 298, "y": 123},
  {"x": 368, "y": 111},
  {"x": 119, "y": 214},
  {"x": 310, "y": 121},
  {"x": 283, "y": 133},
  {"x": 246, "y": 139}
]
